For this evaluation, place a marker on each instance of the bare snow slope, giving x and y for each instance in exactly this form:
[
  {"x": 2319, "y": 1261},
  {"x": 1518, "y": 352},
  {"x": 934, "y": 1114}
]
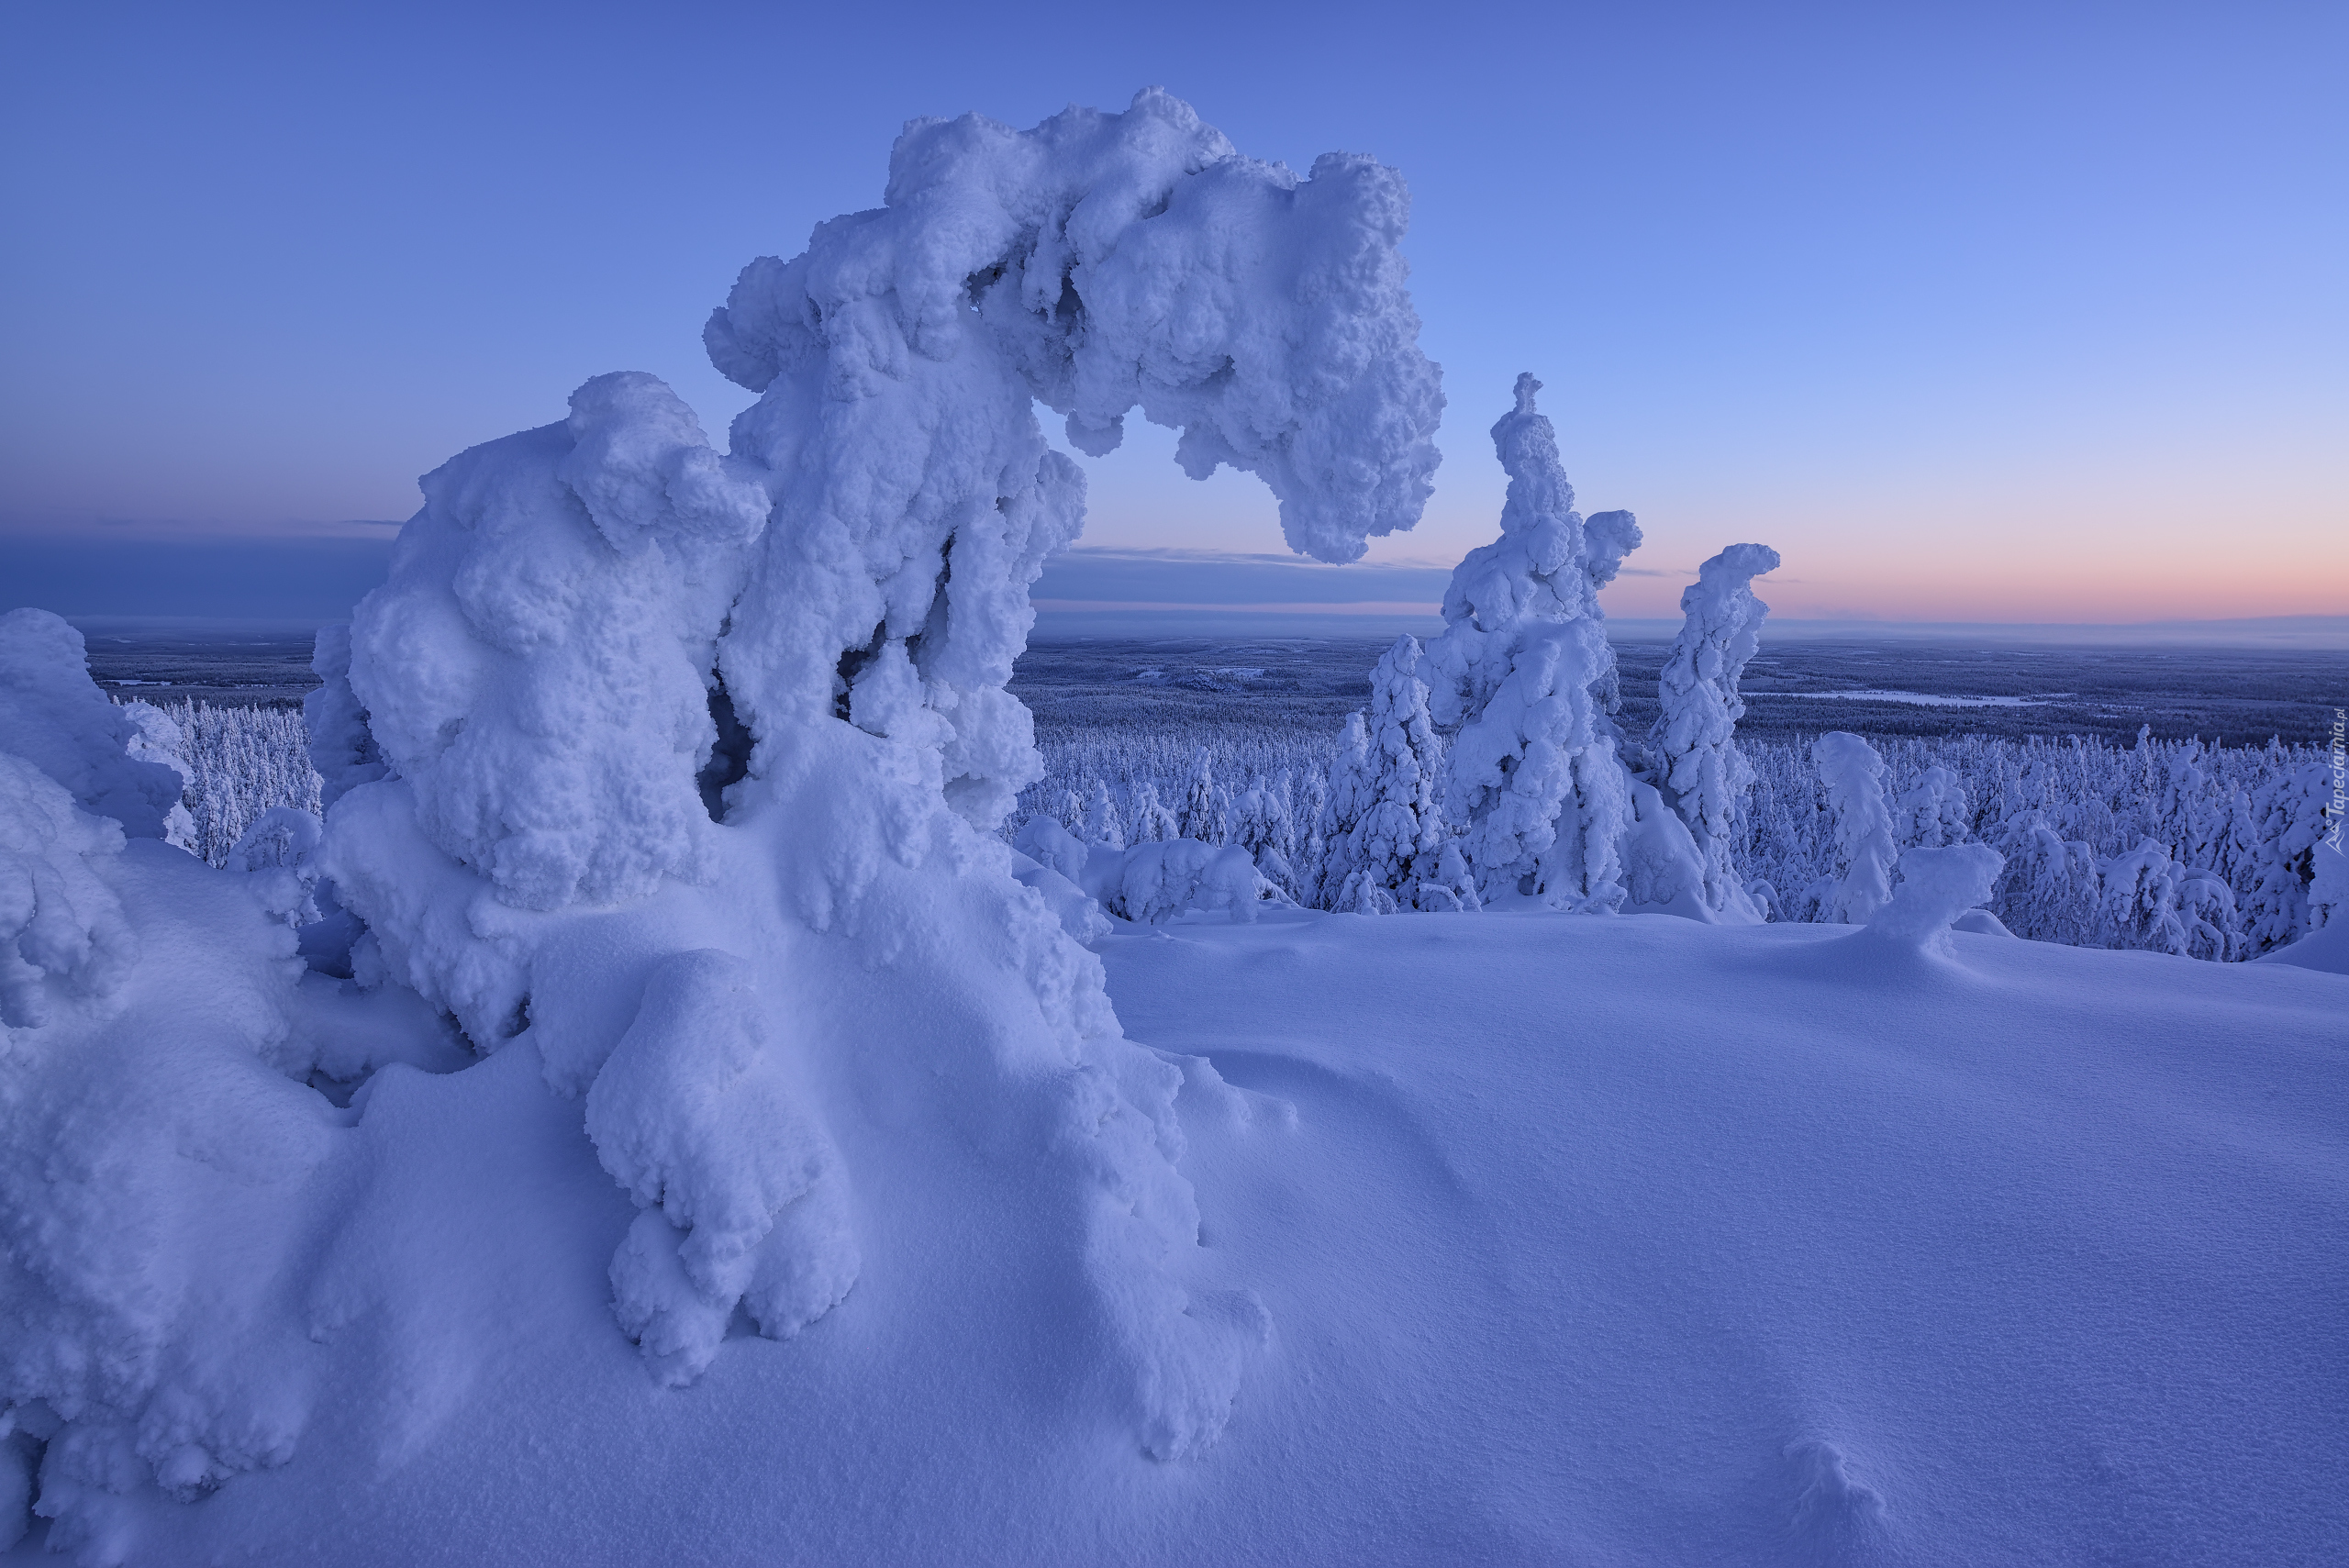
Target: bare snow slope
[{"x": 1605, "y": 1241}]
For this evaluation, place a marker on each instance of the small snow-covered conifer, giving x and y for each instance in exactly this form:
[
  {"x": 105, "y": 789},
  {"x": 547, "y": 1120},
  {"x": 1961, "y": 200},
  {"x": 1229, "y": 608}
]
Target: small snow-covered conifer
[
  {"x": 1398, "y": 834},
  {"x": 1852, "y": 775},
  {"x": 1153, "y": 823},
  {"x": 1197, "y": 817},
  {"x": 1351, "y": 790},
  {"x": 1933, "y": 813},
  {"x": 1695, "y": 735},
  {"x": 1101, "y": 826}
]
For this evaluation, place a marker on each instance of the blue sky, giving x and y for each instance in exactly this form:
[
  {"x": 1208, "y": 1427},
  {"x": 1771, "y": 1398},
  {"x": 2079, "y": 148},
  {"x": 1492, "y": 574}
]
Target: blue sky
[{"x": 1975, "y": 312}]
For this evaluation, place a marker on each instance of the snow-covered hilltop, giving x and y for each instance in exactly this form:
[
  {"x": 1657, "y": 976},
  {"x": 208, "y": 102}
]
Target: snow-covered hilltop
[{"x": 656, "y": 1116}]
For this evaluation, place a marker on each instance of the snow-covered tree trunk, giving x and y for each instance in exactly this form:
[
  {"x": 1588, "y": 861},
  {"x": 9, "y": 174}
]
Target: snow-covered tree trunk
[{"x": 1695, "y": 735}]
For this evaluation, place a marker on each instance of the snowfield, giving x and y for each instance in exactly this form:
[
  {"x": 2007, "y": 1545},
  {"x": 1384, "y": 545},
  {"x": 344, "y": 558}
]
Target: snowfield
[{"x": 1627, "y": 1241}]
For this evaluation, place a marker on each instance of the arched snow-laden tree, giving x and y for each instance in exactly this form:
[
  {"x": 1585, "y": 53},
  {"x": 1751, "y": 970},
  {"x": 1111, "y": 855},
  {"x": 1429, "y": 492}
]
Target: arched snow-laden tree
[
  {"x": 1852, "y": 775},
  {"x": 743, "y": 715},
  {"x": 2166, "y": 905},
  {"x": 1695, "y": 735},
  {"x": 1522, "y": 680}
]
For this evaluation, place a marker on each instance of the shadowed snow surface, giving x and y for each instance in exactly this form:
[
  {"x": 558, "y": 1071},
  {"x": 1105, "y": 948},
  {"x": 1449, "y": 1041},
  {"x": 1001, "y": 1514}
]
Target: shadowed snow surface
[{"x": 1609, "y": 1240}]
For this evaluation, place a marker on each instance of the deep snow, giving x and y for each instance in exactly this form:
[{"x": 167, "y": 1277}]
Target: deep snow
[{"x": 1582, "y": 1239}]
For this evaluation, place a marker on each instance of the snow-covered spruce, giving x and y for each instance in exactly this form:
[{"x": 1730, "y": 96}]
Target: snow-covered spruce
[
  {"x": 1397, "y": 852},
  {"x": 634, "y": 699},
  {"x": 1695, "y": 735},
  {"x": 1522, "y": 680},
  {"x": 1852, "y": 775}
]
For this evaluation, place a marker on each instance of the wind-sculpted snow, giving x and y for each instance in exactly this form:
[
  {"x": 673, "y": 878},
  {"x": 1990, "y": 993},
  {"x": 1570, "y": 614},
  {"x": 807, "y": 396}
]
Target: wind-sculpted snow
[
  {"x": 641, "y": 730},
  {"x": 1937, "y": 886},
  {"x": 62, "y": 927},
  {"x": 52, "y": 716},
  {"x": 696, "y": 1117}
]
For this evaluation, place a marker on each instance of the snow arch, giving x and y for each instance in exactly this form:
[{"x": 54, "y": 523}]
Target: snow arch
[{"x": 564, "y": 839}]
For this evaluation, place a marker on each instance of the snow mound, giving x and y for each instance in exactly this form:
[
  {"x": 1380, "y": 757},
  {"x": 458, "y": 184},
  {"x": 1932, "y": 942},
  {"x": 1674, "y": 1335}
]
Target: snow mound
[
  {"x": 62, "y": 927},
  {"x": 1938, "y": 887},
  {"x": 742, "y": 1197},
  {"x": 55, "y": 717},
  {"x": 1833, "y": 1513},
  {"x": 1151, "y": 883}
]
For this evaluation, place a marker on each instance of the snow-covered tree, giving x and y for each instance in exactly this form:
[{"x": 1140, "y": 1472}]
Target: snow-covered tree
[
  {"x": 1695, "y": 735},
  {"x": 613, "y": 663},
  {"x": 1522, "y": 677},
  {"x": 1393, "y": 855},
  {"x": 1202, "y": 815},
  {"x": 1150, "y": 820},
  {"x": 1852, "y": 775},
  {"x": 1933, "y": 813},
  {"x": 1262, "y": 824},
  {"x": 2166, "y": 905},
  {"x": 1352, "y": 789},
  {"x": 2048, "y": 889},
  {"x": 1101, "y": 823},
  {"x": 2290, "y": 823}
]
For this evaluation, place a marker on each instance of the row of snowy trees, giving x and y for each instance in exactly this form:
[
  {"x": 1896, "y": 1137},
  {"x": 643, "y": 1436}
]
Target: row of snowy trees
[
  {"x": 2172, "y": 845},
  {"x": 1490, "y": 765},
  {"x": 235, "y": 764},
  {"x": 2168, "y": 844}
]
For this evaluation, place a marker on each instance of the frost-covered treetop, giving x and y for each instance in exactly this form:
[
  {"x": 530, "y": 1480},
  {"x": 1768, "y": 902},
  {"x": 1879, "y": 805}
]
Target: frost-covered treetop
[
  {"x": 1549, "y": 564},
  {"x": 1123, "y": 261},
  {"x": 595, "y": 629}
]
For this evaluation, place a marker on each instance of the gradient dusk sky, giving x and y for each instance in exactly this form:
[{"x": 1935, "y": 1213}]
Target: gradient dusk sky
[{"x": 1976, "y": 312}]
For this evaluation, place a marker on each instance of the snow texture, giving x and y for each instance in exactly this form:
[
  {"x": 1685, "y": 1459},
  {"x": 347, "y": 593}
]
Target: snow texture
[
  {"x": 54, "y": 717},
  {"x": 1694, "y": 734}
]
